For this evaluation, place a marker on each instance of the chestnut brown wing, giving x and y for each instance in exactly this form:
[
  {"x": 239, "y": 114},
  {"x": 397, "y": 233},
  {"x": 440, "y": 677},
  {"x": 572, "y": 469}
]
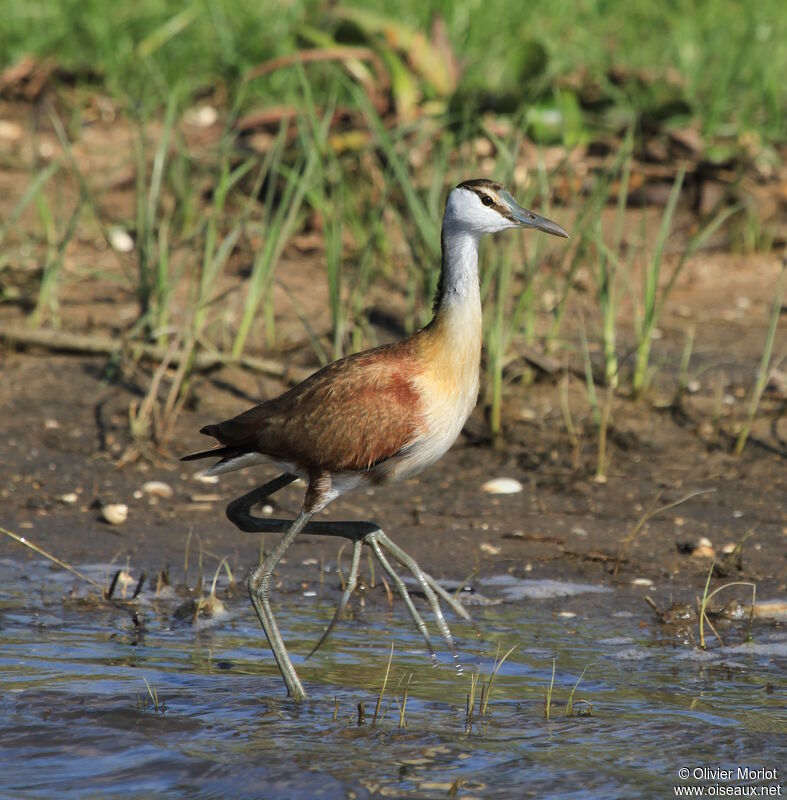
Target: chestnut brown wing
[{"x": 350, "y": 415}]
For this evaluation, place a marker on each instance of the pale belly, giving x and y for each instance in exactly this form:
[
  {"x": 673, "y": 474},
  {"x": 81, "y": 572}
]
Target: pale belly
[{"x": 443, "y": 425}]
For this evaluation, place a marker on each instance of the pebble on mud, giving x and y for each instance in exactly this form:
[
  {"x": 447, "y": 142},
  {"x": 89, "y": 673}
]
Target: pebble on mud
[
  {"x": 69, "y": 498},
  {"x": 502, "y": 486},
  {"x": 115, "y": 513},
  {"x": 490, "y": 549},
  {"x": 702, "y": 548}
]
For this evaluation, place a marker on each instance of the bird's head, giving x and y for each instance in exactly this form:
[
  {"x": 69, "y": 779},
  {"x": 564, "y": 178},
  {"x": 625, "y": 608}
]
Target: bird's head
[{"x": 482, "y": 206}]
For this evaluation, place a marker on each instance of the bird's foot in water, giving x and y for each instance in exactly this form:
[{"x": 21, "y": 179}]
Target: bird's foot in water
[
  {"x": 382, "y": 546},
  {"x": 359, "y": 533}
]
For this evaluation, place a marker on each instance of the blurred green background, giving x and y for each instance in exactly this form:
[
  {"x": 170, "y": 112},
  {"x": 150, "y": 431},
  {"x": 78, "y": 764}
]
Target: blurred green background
[
  {"x": 178, "y": 152},
  {"x": 719, "y": 62}
]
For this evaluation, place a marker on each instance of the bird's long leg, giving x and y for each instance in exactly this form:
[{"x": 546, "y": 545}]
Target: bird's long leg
[
  {"x": 259, "y": 590},
  {"x": 239, "y": 512},
  {"x": 349, "y": 588}
]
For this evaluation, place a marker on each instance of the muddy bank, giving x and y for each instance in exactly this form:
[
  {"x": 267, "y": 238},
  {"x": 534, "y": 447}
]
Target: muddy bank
[{"x": 65, "y": 425}]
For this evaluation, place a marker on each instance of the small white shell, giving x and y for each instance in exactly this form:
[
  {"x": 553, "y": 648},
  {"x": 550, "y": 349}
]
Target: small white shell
[
  {"x": 157, "y": 489},
  {"x": 11, "y": 131},
  {"x": 125, "y": 580},
  {"x": 115, "y": 513},
  {"x": 502, "y": 486},
  {"x": 704, "y": 541},
  {"x": 120, "y": 240},
  {"x": 201, "y": 116}
]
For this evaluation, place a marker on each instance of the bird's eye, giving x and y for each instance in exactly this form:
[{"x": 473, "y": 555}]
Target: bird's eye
[{"x": 487, "y": 200}]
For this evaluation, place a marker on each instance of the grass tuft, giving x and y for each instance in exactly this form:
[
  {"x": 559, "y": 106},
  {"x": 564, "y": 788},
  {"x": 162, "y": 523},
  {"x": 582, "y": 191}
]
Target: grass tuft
[
  {"x": 548, "y": 693},
  {"x": 764, "y": 372},
  {"x": 708, "y": 596}
]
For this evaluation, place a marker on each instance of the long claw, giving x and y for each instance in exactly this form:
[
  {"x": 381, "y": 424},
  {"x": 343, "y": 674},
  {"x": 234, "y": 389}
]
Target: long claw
[
  {"x": 406, "y": 560},
  {"x": 349, "y": 588},
  {"x": 371, "y": 540},
  {"x": 456, "y": 606}
]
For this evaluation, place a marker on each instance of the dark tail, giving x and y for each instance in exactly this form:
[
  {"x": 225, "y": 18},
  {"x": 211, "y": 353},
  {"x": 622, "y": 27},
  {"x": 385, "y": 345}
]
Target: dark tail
[
  {"x": 214, "y": 452},
  {"x": 219, "y": 451}
]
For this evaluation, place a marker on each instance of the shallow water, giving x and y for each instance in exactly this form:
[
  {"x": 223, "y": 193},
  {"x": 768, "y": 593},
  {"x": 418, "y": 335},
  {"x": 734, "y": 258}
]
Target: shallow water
[{"x": 76, "y": 718}]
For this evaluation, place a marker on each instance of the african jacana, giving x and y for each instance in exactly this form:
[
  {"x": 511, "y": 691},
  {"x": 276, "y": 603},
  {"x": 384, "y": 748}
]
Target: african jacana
[{"x": 373, "y": 417}]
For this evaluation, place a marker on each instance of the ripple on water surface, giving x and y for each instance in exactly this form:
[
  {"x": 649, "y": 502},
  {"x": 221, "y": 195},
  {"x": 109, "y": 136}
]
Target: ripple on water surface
[{"x": 79, "y": 720}]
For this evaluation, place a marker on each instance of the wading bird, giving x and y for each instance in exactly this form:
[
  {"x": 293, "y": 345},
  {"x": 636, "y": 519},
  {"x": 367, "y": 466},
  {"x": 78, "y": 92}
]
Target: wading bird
[{"x": 377, "y": 416}]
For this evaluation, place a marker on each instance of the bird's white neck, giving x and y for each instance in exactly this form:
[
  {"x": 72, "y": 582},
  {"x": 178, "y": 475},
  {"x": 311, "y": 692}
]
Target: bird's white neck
[
  {"x": 457, "y": 311},
  {"x": 458, "y": 284},
  {"x": 450, "y": 346}
]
